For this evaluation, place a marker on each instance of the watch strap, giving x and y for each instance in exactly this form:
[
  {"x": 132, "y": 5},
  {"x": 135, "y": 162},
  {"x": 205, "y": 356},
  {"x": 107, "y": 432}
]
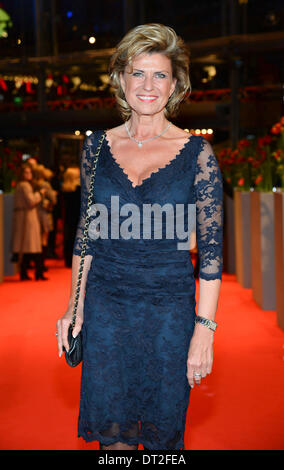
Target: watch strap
[{"x": 206, "y": 322}]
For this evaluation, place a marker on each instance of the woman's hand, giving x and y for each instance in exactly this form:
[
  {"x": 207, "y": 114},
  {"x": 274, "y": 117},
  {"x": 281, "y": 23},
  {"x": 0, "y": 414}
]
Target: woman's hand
[
  {"x": 62, "y": 326},
  {"x": 200, "y": 354}
]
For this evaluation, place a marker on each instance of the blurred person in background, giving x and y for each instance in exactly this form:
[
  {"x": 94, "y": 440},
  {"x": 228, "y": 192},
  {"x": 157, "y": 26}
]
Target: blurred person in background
[
  {"x": 45, "y": 207},
  {"x": 26, "y": 236},
  {"x": 71, "y": 192},
  {"x": 53, "y": 242},
  {"x": 32, "y": 162}
]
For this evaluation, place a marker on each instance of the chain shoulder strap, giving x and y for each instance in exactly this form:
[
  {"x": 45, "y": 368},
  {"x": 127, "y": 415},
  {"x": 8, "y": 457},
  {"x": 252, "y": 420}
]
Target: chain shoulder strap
[{"x": 87, "y": 221}]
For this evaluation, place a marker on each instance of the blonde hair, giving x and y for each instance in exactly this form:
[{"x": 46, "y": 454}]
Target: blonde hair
[
  {"x": 39, "y": 170},
  {"x": 71, "y": 179},
  {"x": 147, "y": 39},
  {"x": 48, "y": 174}
]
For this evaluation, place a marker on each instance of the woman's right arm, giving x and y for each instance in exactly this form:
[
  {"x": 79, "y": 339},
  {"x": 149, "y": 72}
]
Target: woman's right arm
[
  {"x": 64, "y": 322},
  {"x": 87, "y": 157}
]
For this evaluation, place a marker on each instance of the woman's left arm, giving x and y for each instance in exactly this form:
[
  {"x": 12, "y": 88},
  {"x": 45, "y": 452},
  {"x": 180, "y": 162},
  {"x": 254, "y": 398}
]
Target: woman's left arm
[{"x": 208, "y": 188}]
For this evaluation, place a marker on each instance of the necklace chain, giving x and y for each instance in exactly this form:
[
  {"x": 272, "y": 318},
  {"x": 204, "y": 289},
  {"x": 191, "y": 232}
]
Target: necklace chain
[{"x": 140, "y": 142}]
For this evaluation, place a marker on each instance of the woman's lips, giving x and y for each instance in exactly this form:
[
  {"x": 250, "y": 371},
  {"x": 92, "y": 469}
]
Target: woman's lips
[{"x": 146, "y": 98}]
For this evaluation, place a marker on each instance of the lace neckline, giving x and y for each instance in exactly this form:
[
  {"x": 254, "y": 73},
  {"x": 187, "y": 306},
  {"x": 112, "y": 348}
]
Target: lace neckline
[{"x": 158, "y": 171}]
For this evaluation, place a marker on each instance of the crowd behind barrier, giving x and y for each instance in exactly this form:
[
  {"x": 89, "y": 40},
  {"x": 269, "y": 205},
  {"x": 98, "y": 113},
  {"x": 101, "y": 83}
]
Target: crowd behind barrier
[{"x": 41, "y": 199}]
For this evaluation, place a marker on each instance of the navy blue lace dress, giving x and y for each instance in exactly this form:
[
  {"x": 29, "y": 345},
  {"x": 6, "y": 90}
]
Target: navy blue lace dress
[{"x": 140, "y": 296}]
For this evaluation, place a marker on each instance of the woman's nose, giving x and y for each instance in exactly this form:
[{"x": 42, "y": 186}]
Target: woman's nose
[{"x": 148, "y": 82}]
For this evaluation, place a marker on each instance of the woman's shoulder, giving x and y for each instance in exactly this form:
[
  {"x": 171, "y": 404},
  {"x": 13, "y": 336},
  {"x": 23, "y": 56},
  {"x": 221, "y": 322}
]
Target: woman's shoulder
[
  {"x": 179, "y": 137},
  {"x": 110, "y": 134},
  {"x": 93, "y": 137},
  {"x": 198, "y": 140},
  {"x": 115, "y": 133},
  {"x": 178, "y": 131}
]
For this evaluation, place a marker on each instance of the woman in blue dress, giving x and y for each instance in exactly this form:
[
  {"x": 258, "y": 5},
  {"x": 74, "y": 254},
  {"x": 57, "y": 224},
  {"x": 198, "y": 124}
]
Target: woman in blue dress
[{"x": 143, "y": 349}]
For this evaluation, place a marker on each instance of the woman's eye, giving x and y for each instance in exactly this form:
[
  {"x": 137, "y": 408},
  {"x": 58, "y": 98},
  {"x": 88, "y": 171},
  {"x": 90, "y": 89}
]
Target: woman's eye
[{"x": 157, "y": 75}]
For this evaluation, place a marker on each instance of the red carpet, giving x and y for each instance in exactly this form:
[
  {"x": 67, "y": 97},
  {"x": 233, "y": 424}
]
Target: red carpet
[{"x": 239, "y": 406}]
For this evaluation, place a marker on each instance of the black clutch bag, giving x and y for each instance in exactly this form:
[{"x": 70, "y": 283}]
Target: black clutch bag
[{"x": 75, "y": 354}]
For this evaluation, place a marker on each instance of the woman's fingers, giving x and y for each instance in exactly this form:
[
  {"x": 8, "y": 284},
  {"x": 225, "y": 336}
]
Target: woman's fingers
[
  {"x": 195, "y": 375},
  {"x": 193, "y": 368},
  {"x": 62, "y": 334},
  {"x": 204, "y": 369},
  {"x": 62, "y": 327},
  {"x": 77, "y": 328},
  {"x": 199, "y": 369},
  {"x": 190, "y": 376},
  {"x": 59, "y": 337},
  {"x": 65, "y": 322}
]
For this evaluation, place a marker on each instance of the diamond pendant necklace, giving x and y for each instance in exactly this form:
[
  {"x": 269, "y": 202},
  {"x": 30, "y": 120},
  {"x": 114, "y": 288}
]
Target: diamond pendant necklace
[{"x": 140, "y": 142}]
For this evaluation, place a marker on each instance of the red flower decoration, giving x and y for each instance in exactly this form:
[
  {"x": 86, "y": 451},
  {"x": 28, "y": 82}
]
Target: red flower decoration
[
  {"x": 276, "y": 129},
  {"x": 258, "y": 179},
  {"x": 243, "y": 143},
  {"x": 263, "y": 141}
]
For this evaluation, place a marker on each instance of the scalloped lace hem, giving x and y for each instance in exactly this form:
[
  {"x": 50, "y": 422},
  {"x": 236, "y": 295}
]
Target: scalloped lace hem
[{"x": 106, "y": 441}]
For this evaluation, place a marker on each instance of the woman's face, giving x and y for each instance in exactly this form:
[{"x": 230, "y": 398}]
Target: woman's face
[
  {"x": 148, "y": 86},
  {"x": 27, "y": 174}
]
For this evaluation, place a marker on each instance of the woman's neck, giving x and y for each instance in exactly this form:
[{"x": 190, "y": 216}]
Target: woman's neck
[{"x": 143, "y": 127}]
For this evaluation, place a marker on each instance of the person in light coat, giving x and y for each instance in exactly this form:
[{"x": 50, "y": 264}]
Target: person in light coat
[{"x": 26, "y": 235}]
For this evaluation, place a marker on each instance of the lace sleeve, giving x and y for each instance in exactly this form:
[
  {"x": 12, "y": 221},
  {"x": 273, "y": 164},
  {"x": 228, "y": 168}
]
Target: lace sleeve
[
  {"x": 85, "y": 176},
  {"x": 208, "y": 187}
]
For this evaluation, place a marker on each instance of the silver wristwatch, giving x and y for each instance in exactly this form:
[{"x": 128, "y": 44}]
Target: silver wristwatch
[{"x": 204, "y": 321}]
